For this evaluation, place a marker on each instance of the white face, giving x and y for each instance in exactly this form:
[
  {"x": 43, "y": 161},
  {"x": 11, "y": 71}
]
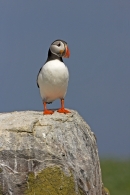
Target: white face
[{"x": 58, "y": 48}]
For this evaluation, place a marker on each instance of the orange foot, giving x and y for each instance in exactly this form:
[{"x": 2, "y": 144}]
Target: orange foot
[
  {"x": 48, "y": 112},
  {"x": 62, "y": 110}
]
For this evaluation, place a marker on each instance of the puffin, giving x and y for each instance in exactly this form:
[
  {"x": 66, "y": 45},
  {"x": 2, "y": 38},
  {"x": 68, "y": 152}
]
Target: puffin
[{"x": 53, "y": 76}]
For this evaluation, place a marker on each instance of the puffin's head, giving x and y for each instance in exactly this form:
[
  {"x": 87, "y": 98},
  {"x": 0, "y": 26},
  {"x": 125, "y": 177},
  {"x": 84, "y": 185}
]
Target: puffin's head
[{"x": 60, "y": 49}]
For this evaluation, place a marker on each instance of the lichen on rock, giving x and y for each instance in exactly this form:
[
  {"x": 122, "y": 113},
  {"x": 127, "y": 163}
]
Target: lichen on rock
[{"x": 51, "y": 180}]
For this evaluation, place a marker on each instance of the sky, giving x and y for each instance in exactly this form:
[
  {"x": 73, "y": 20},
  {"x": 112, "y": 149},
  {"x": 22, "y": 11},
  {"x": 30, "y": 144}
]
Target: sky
[{"x": 98, "y": 36}]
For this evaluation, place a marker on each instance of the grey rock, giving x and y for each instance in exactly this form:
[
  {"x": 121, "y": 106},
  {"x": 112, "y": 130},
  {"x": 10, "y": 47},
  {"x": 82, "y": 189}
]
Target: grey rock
[{"x": 31, "y": 142}]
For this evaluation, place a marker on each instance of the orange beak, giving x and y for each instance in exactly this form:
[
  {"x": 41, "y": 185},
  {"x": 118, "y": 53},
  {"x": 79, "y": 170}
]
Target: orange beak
[{"x": 67, "y": 52}]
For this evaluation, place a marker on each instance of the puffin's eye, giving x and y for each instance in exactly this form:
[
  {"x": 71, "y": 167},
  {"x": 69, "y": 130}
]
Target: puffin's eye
[{"x": 58, "y": 45}]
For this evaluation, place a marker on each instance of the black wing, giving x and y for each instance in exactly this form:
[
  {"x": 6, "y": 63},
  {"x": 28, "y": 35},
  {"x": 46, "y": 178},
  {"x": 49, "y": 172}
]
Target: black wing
[{"x": 37, "y": 77}]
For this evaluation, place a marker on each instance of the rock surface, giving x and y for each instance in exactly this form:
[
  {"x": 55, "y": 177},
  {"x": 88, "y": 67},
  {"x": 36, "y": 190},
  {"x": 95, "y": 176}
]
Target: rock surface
[{"x": 51, "y": 150}]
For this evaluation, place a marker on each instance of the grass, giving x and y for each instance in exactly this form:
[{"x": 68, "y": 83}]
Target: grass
[{"x": 116, "y": 176}]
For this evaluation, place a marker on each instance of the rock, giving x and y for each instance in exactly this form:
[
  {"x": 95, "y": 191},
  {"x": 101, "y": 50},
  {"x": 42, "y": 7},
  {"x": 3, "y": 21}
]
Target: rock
[{"x": 52, "y": 154}]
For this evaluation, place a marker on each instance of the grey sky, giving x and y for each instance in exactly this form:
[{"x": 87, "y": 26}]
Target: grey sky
[{"x": 98, "y": 35}]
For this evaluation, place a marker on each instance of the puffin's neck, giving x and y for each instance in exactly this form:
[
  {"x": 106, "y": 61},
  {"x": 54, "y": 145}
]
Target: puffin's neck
[{"x": 52, "y": 56}]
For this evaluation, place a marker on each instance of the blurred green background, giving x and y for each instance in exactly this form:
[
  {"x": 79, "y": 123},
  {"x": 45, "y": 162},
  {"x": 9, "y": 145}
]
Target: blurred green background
[{"x": 116, "y": 176}]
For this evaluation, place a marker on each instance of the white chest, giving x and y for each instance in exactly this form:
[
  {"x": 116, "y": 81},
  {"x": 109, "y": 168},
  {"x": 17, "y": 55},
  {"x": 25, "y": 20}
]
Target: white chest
[
  {"x": 55, "y": 72},
  {"x": 53, "y": 80}
]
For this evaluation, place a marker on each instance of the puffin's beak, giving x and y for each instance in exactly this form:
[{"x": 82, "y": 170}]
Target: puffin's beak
[{"x": 67, "y": 52}]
